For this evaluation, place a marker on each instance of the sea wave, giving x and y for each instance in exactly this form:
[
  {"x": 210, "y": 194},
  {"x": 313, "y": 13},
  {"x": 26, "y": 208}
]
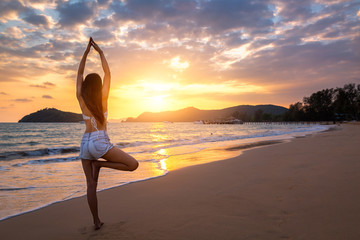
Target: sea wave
[
  {"x": 17, "y": 136},
  {"x": 4, "y": 168},
  {"x": 15, "y": 188},
  {"x": 143, "y": 143},
  {"x": 38, "y": 152},
  {"x": 46, "y": 161}
]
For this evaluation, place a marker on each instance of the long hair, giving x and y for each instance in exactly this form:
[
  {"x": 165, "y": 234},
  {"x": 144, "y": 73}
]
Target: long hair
[{"x": 92, "y": 95}]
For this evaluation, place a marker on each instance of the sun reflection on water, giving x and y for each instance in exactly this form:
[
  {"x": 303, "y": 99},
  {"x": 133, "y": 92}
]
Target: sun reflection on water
[
  {"x": 163, "y": 164},
  {"x": 162, "y": 152},
  {"x": 158, "y": 132}
]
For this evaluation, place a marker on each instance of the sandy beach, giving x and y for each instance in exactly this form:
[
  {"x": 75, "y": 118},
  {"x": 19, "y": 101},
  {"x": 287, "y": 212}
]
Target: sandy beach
[{"x": 307, "y": 188}]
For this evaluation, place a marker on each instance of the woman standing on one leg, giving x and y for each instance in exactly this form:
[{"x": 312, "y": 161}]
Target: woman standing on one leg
[{"x": 92, "y": 95}]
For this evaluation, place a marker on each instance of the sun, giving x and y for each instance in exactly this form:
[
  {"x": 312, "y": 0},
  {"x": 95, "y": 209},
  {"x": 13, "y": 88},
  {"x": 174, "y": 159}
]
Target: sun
[
  {"x": 145, "y": 95},
  {"x": 156, "y": 94},
  {"x": 157, "y": 103}
]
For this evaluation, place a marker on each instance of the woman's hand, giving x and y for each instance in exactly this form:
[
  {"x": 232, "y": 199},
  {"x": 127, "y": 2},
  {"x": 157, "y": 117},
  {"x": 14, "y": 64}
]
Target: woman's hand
[
  {"x": 105, "y": 66},
  {"x": 80, "y": 77},
  {"x": 96, "y": 47},
  {"x": 88, "y": 46}
]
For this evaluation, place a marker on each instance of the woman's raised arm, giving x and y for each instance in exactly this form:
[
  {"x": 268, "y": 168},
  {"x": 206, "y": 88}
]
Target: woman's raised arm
[
  {"x": 105, "y": 66},
  {"x": 80, "y": 74}
]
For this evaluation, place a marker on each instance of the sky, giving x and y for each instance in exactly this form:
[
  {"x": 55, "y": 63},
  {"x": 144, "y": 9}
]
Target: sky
[{"x": 172, "y": 54}]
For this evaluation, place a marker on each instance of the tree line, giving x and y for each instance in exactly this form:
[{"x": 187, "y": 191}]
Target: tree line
[
  {"x": 257, "y": 116},
  {"x": 334, "y": 104}
]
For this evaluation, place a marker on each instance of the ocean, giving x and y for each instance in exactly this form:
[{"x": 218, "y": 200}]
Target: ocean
[{"x": 39, "y": 162}]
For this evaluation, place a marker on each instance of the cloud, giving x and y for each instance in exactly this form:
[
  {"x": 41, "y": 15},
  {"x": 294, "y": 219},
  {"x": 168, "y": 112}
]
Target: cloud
[
  {"x": 3, "y": 93},
  {"x": 17, "y": 69},
  {"x": 220, "y": 15},
  {"x": 137, "y": 10},
  {"x": 104, "y": 23},
  {"x": 103, "y": 2},
  {"x": 50, "y": 84},
  {"x": 178, "y": 66},
  {"x": 43, "y": 85},
  {"x": 72, "y": 14},
  {"x": 295, "y": 10},
  {"x": 36, "y": 19},
  {"x": 47, "y": 96},
  {"x": 37, "y": 86},
  {"x": 216, "y": 16},
  {"x": 103, "y": 35},
  {"x": 14, "y": 10},
  {"x": 24, "y": 100},
  {"x": 10, "y": 8},
  {"x": 13, "y": 33},
  {"x": 309, "y": 67}
]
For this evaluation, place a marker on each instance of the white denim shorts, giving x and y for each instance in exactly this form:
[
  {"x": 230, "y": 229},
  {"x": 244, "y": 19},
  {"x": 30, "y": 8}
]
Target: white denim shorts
[{"x": 94, "y": 145}]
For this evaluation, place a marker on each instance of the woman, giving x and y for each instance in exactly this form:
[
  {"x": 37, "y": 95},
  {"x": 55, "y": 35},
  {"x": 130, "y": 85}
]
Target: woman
[{"x": 92, "y": 95}]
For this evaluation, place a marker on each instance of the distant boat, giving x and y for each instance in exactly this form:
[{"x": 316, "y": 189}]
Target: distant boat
[
  {"x": 199, "y": 122},
  {"x": 231, "y": 120},
  {"x": 234, "y": 121}
]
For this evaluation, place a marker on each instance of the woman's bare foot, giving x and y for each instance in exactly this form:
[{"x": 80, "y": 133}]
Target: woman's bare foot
[{"x": 98, "y": 225}]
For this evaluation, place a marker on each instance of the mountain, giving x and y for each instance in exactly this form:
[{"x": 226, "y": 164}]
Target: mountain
[
  {"x": 52, "y": 115},
  {"x": 191, "y": 114}
]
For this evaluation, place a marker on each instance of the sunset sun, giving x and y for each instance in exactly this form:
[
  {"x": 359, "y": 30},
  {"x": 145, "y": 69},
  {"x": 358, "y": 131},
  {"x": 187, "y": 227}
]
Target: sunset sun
[{"x": 157, "y": 102}]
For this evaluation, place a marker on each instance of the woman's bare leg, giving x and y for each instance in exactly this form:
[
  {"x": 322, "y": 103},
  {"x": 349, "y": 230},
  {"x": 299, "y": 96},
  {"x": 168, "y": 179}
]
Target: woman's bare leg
[
  {"x": 92, "y": 175},
  {"x": 117, "y": 159}
]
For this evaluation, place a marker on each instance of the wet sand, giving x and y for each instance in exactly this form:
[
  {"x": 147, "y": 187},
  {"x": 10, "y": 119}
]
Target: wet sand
[{"x": 308, "y": 188}]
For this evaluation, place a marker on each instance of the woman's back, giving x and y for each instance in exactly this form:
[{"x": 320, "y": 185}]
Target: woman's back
[{"x": 91, "y": 124}]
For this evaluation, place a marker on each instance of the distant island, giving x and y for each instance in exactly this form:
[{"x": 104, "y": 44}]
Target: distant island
[
  {"x": 52, "y": 115},
  {"x": 191, "y": 114}
]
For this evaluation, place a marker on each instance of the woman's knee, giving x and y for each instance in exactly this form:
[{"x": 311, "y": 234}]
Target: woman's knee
[{"x": 134, "y": 165}]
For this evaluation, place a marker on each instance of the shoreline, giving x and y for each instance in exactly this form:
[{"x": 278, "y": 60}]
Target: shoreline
[
  {"x": 233, "y": 151},
  {"x": 216, "y": 151},
  {"x": 153, "y": 205}
]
